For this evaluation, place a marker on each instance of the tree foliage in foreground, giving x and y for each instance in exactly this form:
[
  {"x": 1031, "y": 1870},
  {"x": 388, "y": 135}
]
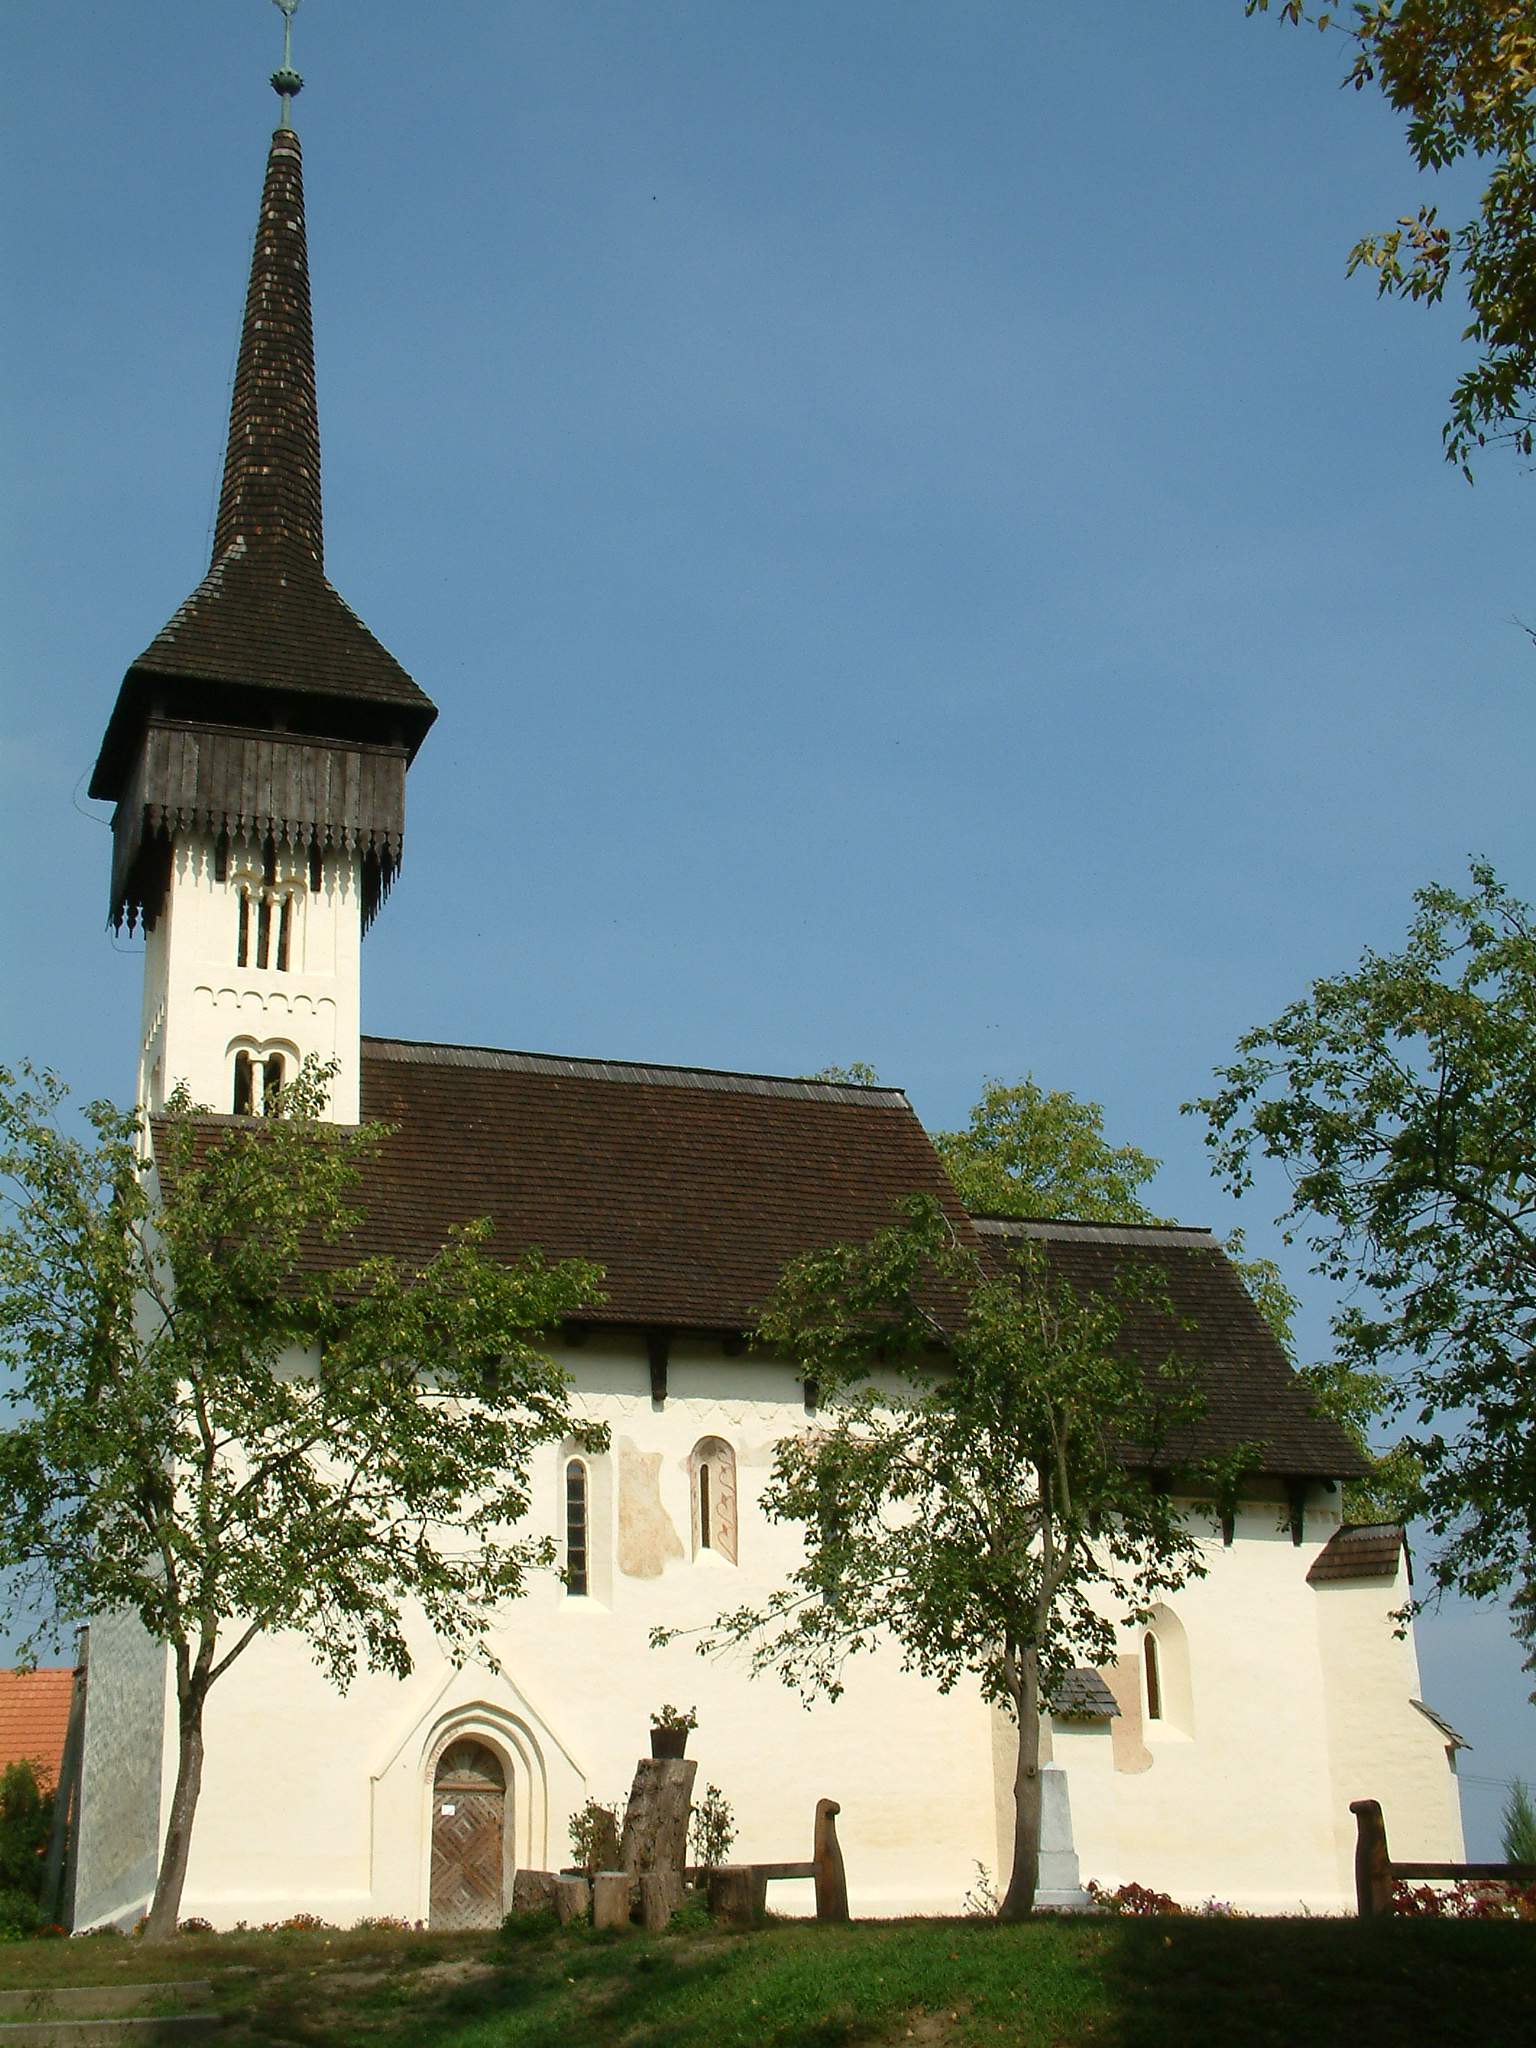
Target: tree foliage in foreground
[
  {"x": 1463, "y": 72},
  {"x": 225, "y": 1434},
  {"x": 1400, "y": 1098},
  {"x": 962, "y": 1494}
]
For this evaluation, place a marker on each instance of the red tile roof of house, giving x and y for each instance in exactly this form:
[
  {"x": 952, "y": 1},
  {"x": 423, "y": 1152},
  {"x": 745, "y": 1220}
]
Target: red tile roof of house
[{"x": 34, "y": 1714}]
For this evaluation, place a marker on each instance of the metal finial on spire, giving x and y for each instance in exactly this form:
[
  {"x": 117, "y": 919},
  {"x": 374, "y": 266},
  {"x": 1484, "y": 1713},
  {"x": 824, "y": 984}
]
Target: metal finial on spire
[{"x": 286, "y": 82}]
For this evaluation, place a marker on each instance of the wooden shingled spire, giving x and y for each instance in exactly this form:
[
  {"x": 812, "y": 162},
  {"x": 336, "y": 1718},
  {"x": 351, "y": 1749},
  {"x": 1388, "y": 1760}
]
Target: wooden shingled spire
[{"x": 264, "y": 709}]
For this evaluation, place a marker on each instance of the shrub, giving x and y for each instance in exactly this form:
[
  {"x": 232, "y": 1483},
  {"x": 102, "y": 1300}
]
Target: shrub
[
  {"x": 712, "y": 1829},
  {"x": 194, "y": 1925},
  {"x": 1518, "y": 1824},
  {"x": 1132, "y": 1901},
  {"x": 20, "y": 1914},
  {"x": 26, "y": 1815},
  {"x": 981, "y": 1901},
  {"x": 594, "y": 1832},
  {"x": 384, "y": 1923},
  {"x": 1470, "y": 1899}
]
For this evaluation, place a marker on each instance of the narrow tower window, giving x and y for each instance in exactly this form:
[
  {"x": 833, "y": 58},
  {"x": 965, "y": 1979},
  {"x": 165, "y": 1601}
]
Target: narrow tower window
[
  {"x": 243, "y": 942},
  {"x": 576, "y": 1527},
  {"x": 245, "y": 1085},
  {"x": 1154, "y": 1677},
  {"x": 264, "y": 930},
  {"x": 271, "y": 1082},
  {"x": 284, "y": 931}
]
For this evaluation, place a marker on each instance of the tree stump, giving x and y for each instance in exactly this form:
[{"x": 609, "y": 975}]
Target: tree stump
[
  {"x": 610, "y": 1898},
  {"x": 656, "y": 1819},
  {"x": 738, "y": 1894},
  {"x": 573, "y": 1897},
  {"x": 533, "y": 1891},
  {"x": 660, "y": 1897},
  {"x": 827, "y": 1855}
]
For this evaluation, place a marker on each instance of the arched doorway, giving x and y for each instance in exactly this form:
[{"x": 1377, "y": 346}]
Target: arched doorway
[{"x": 469, "y": 1825}]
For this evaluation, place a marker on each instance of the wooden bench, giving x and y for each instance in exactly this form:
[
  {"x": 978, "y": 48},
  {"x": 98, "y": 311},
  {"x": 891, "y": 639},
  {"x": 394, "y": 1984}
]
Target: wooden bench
[
  {"x": 738, "y": 1892},
  {"x": 1375, "y": 1871}
]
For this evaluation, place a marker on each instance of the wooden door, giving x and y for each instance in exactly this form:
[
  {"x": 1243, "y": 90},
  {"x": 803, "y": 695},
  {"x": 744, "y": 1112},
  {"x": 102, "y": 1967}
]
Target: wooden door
[{"x": 469, "y": 1824}]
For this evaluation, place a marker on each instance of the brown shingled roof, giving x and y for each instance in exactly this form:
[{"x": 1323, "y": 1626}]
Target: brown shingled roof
[
  {"x": 1360, "y": 1550},
  {"x": 34, "y": 1716},
  {"x": 693, "y": 1189}
]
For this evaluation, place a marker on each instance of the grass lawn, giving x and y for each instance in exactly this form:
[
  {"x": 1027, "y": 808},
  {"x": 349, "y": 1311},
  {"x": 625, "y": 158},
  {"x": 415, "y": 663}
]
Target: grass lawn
[{"x": 1056, "y": 1984}]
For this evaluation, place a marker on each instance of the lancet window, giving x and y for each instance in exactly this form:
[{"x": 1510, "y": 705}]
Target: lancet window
[
  {"x": 576, "y": 1522},
  {"x": 712, "y": 1468}
]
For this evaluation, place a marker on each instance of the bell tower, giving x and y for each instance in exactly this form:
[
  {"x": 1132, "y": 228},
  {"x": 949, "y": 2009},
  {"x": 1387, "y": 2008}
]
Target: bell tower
[{"x": 258, "y": 748}]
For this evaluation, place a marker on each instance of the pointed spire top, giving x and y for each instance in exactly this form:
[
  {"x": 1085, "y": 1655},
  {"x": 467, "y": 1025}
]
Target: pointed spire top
[
  {"x": 271, "y": 494},
  {"x": 286, "y": 82}
]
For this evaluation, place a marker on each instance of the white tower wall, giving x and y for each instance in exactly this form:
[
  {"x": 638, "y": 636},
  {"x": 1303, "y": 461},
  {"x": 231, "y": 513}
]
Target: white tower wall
[{"x": 203, "y": 1006}]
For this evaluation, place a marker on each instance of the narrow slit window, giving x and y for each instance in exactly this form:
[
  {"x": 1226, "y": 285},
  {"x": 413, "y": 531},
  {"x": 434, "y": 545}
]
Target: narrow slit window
[
  {"x": 712, "y": 1473},
  {"x": 245, "y": 1086},
  {"x": 221, "y": 858},
  {"x": 264, "y": 931},
  {"x": 316, "y": 869},
  {"x": 576, "y": 1527},
  {"x": 243, "y": 942},
  {"x": 271, "y": 1082},
  {"x": 284, "y": 932},
  {"x": 1154, "y": 1678}
]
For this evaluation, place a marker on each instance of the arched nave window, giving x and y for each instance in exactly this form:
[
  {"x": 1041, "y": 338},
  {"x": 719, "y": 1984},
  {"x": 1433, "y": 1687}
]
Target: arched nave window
[
  {"x": 576, "y": 1524},
  {"x": 712, "y": 1470},
  {"x": 1165, "y": 1674}
]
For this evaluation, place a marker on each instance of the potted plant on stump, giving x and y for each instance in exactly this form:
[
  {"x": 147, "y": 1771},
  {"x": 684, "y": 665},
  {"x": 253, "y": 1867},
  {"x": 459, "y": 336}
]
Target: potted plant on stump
[{"x": 669, "y": 1731}]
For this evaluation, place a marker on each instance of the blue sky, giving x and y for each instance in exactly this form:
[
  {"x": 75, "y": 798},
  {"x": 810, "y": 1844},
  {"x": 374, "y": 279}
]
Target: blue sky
[{"x": 921, "y": 553}]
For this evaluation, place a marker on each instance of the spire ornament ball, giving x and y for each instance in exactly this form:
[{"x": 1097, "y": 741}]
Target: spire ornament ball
[{"x": 286, "y": 82}]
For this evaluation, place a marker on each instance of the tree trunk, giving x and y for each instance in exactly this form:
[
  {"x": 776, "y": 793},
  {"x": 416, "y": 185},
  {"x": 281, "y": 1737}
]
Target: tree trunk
[
  {"x": 166, "y": 1905},
  {"x": 1019, "y": 1900}
]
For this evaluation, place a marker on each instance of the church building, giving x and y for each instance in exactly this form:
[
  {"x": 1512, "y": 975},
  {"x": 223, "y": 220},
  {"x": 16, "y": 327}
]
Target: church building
[{"x": 257, "y": 756}]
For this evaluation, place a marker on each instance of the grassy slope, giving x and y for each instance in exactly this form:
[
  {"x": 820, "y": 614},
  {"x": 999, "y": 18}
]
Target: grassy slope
[{"x": 1117, "y": 1984}]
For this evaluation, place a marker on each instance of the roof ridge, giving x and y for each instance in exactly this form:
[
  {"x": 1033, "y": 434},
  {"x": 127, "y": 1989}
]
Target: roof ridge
[
  {"x": 432, "y": 1052},
  {"x": 1092, "y": 1232}
]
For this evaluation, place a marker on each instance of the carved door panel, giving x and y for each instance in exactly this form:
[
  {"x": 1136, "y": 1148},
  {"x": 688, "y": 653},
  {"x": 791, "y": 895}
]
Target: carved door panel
[{"x": 468, "y": 1833}]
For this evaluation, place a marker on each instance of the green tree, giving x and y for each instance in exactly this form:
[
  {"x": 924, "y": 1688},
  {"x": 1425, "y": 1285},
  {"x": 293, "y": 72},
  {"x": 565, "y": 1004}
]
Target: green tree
[
  {"x": 1518, "y": 1824},
  {"x": 1400, "y": 1099},
  {"x": 963, "y": 1493},
  {"x": 1029, "y": 1151},
  {"x": 1463, "y": 73},
  {"x": 224, "y": 1424}
]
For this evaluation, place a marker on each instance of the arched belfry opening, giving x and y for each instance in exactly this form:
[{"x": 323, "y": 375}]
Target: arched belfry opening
[{"x": 471, "y": 1813}]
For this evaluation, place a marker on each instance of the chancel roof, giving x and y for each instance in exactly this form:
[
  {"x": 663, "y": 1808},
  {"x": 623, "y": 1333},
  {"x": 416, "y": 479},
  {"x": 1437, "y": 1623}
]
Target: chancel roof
[{"x": 1185, "y": 1300}]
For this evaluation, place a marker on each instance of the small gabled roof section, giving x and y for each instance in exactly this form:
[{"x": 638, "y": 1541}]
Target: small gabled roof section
[
  {"x": 1082, "y": 1695},
  {"x": 1359, "y": 1550},
  {"x": 1452, "y": 1739}
]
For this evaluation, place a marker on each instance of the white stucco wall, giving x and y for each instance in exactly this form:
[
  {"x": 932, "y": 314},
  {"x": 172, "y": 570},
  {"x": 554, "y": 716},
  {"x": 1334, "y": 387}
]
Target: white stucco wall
[{"x": 321, "y": 1802}]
